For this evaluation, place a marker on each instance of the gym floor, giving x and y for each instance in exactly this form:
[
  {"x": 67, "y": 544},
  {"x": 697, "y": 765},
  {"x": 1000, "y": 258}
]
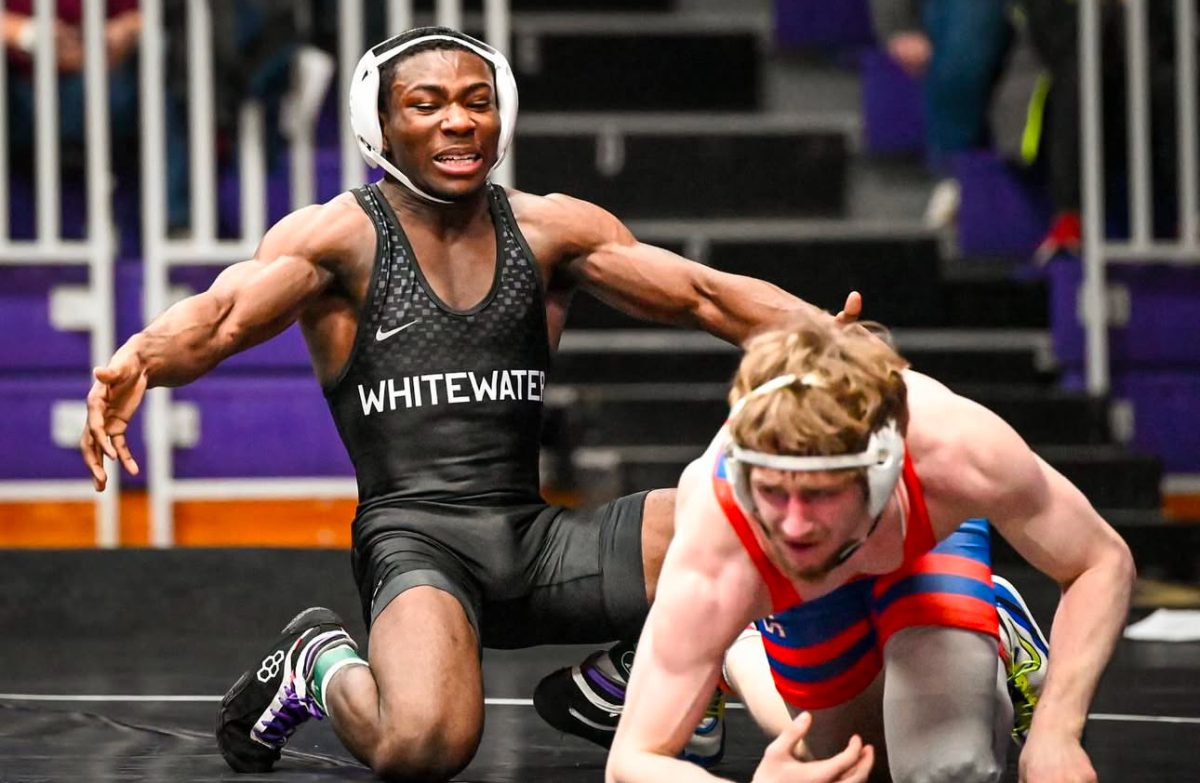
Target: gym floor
[{"x": 95, "y": 701}]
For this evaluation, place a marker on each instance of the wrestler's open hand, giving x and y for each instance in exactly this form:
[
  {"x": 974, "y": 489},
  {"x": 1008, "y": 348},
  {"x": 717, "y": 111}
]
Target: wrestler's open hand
[
  {"x": 111, "y": 403},
  {"x": 786, "y": 760},
  {"x": 1048, "y": 759},
  {"x": 851, "y": 311}
]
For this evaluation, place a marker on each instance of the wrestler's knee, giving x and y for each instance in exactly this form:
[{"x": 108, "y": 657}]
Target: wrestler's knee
[
  {"x": 428, "y": 754},
  {"x": 949, "y": 766}
]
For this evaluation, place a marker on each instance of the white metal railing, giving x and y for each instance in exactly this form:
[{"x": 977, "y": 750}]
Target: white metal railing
[
  {"x": 1098, "y": 251},
  {"x": 92, "y": 307},
  {"x": 203, "y": 248}
]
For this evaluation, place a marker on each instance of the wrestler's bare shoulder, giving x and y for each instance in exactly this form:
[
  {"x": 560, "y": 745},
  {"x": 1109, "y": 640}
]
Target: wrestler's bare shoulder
[
  {"x": 338, "y": 231},
  {"x": 950, "y": 439},
  {"x": 569, "y": 225}
]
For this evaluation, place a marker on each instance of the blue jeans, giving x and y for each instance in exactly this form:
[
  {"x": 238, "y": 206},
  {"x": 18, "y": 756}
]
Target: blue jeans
[
  {"x": 122, "y": 107},
  {"x": 970, "y": 40}
]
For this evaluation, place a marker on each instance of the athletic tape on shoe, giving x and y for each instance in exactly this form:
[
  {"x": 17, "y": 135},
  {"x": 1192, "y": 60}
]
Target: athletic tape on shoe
[{"x": 364, "y": 96}]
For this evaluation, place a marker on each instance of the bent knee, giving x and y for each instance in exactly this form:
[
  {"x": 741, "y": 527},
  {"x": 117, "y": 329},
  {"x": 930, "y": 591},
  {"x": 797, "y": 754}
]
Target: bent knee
[
  {"x": 952, "y": 770},
  {"x": 428, "y": 758}
]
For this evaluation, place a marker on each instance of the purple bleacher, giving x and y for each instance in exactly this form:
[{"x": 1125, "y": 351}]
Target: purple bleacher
[
  {"x": 1003, "y": 211},
  {"x": 809, "y": 24},
  {"x": 1164, "y": 310},
  {"x": 892, "y": 109},
  {"x": 258, "y": 426},
  {"x": 29, "y": 451},
  {"x": 30, "y": 342},
  {"x": 1166, "y": 409}
]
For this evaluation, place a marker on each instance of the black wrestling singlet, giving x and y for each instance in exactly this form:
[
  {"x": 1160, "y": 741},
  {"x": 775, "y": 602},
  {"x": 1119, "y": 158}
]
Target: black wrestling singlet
[{"x": 437, "y": 404}]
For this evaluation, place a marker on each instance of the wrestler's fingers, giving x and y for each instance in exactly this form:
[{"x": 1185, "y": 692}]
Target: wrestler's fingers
[
  {"x": 852, "y": 309},
  {"x": 841, "y": 766},
  {"x": 93, "y": 459},
  {"x": 791, "y": 740},
  {"x": 97, "y": 405},
  {"x": 862, "y": 768},
  {"x": 122, "y": 444},
  {"x": 108, "y": 375}
]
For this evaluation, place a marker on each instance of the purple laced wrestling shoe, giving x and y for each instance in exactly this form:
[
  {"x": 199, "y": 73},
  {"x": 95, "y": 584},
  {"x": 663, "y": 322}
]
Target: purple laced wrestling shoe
[
  {"x": 582, "y": 700},
  {"x": 270, "y": 701}
]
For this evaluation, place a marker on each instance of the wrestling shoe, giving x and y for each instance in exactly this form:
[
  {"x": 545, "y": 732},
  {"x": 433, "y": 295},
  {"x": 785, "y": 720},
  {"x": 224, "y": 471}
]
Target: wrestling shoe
[
  {"x": 270, "y": 701},
  {"x": 1025, "y": 652},
  {"x": 706, "y": 748},
  {"x": 582, "y": 700},
  {"x": 585, "y": 701}
]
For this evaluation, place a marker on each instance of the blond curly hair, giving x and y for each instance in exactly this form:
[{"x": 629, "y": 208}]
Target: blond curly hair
[{"x": 849, "y": 383}]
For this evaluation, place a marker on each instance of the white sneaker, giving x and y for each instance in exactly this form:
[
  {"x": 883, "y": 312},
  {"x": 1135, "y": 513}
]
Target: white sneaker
[
  {"x": 943, "y": 205},
  {"x": 707, "y": 745}
]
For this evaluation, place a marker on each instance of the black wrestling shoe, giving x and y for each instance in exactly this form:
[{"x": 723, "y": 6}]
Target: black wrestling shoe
[
  {"x": 270, "y": 701},
  {"x": 581, "y": 700},
  {"x": 584, "y": 701}
]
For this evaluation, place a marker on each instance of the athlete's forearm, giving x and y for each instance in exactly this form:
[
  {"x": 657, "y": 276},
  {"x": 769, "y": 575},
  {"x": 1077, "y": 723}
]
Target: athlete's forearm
[
  {"x": 738, "y": 307},
  {"x": 1085, "y": 630},
  {"x": 186, "y": 341},
  {"x": 629, "y": 766}
]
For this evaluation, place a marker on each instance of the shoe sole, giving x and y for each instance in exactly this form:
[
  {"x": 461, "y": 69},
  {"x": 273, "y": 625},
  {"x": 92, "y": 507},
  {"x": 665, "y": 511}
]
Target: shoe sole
[{"x": 251, "y": 761}]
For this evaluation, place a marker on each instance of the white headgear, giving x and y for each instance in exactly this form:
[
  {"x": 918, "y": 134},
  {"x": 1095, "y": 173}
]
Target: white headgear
[
  {"x": 364, "y": 96},
  {"x": 883, "y": 457}
]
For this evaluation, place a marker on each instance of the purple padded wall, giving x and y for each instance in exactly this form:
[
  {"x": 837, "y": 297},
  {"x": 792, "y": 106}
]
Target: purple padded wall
[
  {"x": 1003, "y": 213},
  {"x": 29, "y": 452},
  {"x": 807, "y": 24},
  {"x": 261, "y": 426},
  {"x": 249, "y": 427},
  {"x": 1166, "y": 415},
  {"x": 1164, "y": 318},
  {"x": 892, "y": 109},
  {"x": 29, "y": 342}
]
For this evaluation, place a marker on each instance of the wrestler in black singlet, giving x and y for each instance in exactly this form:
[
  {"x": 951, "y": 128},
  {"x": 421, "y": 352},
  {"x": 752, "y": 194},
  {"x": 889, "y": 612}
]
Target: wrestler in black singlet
[{"x": 441, "y": 413}]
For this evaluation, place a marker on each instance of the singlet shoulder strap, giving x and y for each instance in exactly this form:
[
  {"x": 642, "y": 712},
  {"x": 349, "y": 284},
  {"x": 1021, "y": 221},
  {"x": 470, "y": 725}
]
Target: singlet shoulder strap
[
  {"x": 918, "y": 536},
  {"x": 783, "y": 594}
]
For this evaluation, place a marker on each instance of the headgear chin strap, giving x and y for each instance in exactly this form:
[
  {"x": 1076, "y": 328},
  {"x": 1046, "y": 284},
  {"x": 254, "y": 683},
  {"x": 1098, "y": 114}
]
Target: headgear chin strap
[{"x": 364, "y": 97}]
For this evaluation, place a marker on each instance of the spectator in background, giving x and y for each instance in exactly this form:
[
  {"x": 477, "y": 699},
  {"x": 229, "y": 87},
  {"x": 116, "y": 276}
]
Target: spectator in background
[
  {"x": 121, "y": 34},
  {"x": 958, "y": 47},
  {"x": 253, "y": 46},
  {"x": 1054, "y": 32}
]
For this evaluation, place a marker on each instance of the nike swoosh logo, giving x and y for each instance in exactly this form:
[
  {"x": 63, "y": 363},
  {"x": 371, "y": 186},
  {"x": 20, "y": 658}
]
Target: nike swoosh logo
[{"x": 381, "y": 335}]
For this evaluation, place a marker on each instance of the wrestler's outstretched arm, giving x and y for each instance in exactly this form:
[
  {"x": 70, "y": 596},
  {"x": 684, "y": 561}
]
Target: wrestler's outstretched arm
[
  {"x": 249, "y": 302},
  {"x": 648, "y": 282},
  {"x": 705, "y": 598},
  {"x": 992, "y": 472}
]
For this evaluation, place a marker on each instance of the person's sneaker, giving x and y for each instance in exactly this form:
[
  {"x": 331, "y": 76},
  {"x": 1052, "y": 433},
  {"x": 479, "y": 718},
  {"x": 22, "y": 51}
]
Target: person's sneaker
[
  {"x": 944, "y": 202},
  {"x": 707, "y": 745},
  {"x": 581, "y": 700},
  {"x": 270, "y": 700},
  {"x": 1065, "y": 236},
  {"x": 1026, "y": 654}
]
